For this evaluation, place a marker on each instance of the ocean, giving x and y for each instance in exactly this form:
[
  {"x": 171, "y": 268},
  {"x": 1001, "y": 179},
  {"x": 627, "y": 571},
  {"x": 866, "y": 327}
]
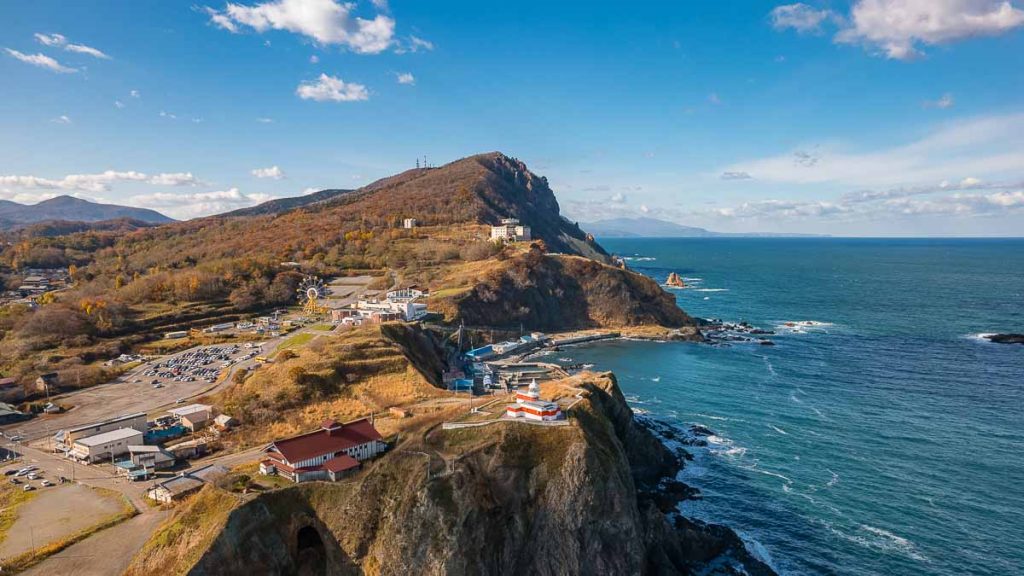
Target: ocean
[{"x": 881, "y": 434}]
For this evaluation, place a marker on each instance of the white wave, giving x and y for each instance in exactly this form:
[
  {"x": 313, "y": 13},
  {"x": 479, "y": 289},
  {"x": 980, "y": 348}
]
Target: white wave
[
  {"x": 887, "y": 541},
  {"x": 802, "y": 326},
  {"x": 777, "y": 429},
  {"x": 834, "y": 480},
  {"x": 795, "y": 399},
  {"x": 707, "y": 297},
  {"x": 757, "y": 550},
  {"x": 719, "y": 440},
  {"x": 656, "y": 379},
  {"x": 768, "y": 364},
  {"x": 693, "y": 279},
  {"x": 709, "y": 289},
  {"x": 980, "y": 336},
  {"x": 639, "y": 258},
  {"x": 710, "y": 416},
  {"x": 736, "y": 451}
]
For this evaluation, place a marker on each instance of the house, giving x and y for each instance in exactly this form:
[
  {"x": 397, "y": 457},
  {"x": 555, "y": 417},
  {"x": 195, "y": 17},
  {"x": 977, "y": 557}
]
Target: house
[
  {"x": 529, "y": 405},
  {"x": 64, "y": 439},
  {"x": 225, "y": 422},
  {"x": 409, "y": 223},
  {"x": 106, "y": 446},
  {"x": 47, "y": 382},
  {"x": 510, "y": 230},
  {"x": 11, "y": 391},
  {"x": 186, "y": 483},
  {"x": 10, "y": 414},
  {"x": 194, "y": 417},
  {"x": 325, "y": 454}
]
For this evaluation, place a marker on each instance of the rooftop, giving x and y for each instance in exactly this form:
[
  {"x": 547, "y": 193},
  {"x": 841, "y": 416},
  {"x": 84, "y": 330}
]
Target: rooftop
[
  {"x": 326, "y": 440},
  {"x": 113, "y": 420},
  {"x": 112, "y": 436},
  {"x": 190, "y": 409}
]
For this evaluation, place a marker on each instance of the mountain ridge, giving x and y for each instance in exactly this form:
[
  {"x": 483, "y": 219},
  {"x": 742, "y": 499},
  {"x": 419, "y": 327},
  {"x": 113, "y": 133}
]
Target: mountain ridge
[
  {"x": 644, "y": 227},
  {"x": 70, "y": 209}
]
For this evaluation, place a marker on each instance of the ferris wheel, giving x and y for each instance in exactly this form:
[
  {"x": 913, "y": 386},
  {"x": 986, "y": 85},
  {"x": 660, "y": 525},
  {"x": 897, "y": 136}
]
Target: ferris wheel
[{"x": 311, "y": 291}]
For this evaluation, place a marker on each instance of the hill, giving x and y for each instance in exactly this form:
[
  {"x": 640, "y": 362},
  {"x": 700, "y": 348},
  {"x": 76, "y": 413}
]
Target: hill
[
  {"x": 655, "y": 228},
  {"x": 73, "y": 209},
  {"x": 285, "y": 204}
]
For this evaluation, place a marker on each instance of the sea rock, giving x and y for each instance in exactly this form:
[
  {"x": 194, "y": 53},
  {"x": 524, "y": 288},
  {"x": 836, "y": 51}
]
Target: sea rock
[
  {"x": 675, "y": 280},
  {"x": 1006, "y": 338}
]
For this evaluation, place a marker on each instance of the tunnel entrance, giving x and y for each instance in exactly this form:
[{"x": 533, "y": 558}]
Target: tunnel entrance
[{"x": 310, "y": 554}]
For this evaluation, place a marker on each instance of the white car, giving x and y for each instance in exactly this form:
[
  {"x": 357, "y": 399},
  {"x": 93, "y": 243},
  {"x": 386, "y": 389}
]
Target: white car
[
  {"x": 28, "y": 488},
  {"x": 45, "y": 483}
]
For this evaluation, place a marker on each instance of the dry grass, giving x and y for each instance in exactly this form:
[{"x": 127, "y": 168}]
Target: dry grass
[
  {"x": 12, "y": 497},
  {"x": 183, "y": 538}
]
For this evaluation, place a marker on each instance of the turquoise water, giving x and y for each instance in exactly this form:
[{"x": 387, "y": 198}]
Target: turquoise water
[{"x": 885, "y": 440}]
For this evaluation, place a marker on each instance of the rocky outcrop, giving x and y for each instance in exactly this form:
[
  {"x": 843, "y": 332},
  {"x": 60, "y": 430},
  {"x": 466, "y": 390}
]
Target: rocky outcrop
[
  {"x": 1006, "y": 338},
  {"x": 557, "y": 292},
  {"x": 508, "y": 498},
  {"x": 675, "y": 281}
]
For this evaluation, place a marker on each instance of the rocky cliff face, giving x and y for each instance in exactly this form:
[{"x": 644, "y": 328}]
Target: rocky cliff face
[
  {"x": 502, "y": 499},
  {"x": 556, "y": 292}
]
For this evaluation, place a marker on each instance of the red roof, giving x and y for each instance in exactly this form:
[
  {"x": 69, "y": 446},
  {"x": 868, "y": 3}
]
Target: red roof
[
  {"x": 323, "y": 441},
  {"x": 341, "y": 463}
]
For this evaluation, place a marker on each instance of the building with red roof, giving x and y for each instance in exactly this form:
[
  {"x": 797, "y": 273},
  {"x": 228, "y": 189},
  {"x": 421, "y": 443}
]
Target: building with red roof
[{"x": 325, "y": 454}]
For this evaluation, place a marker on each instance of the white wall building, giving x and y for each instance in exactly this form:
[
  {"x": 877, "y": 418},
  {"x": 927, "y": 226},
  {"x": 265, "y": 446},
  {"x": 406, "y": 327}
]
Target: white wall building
[
  {"x": 107, "y": 445},
  {"x": 510, "y": 230}
]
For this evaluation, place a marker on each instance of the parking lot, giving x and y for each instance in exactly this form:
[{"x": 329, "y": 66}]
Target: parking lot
[
  {"x": 199, "y": 364},
  {"x": 155, "y": 384}
]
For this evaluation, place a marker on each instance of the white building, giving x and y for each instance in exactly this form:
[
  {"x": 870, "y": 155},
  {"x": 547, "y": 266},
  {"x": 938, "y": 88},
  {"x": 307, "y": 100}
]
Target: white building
[
  {"x": 399, "y": 304},
  {"x": 107, "y": 445},
  {"x": 510, "y": 230},
  {"x": 529, "y": 405},
  {"x": 65, "y": 439},
  {"x": 409, "y": 223}
]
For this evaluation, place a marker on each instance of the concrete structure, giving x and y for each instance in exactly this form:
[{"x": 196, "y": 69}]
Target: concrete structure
[
  {"x": 196, "y": 421},
  {"x": 510, "y": 230},
  {"x": 176, "y": 335},
  {"x": 106, "y": 446},
  {"x": 409, "y": 223},
  {"x": 326, "y": 454},
  {"x": 11, "y": 391},
  {"x": 397, "y": 305},
  {"x": 529, "y": 405},
  {"x": 64, "y": 439},
  {"x": 225, "y": 422},
  {"x": 152, "y": 457}
]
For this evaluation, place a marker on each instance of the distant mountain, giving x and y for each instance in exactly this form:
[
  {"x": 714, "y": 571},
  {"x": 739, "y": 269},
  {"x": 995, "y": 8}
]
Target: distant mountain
[
  {"x": 654, "y": 228},
  {"x": 69, "y": 209},
  {"x": 285, "y": 204}
]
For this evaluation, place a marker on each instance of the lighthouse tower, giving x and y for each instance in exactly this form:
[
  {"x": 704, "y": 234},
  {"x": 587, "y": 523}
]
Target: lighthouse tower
[{"x": 532, "y": 393}]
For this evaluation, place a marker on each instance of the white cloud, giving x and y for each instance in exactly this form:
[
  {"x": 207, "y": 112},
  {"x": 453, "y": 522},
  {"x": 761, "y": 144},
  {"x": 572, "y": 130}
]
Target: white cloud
[
  {"x": 735, "y": 176},
  {"x": 41, "y": 60},
  {"x": 314, "y": 59},
  {"x": 326, "y": 21},
  {"x": 416, "y": 44},
  {"x": 99, "y": 182},
  {"x": 945, "y": 101},
  {"x": 799, "y": 17},
  {"x": 83, "y": 49},
  {"x": 898, "y": 27},
  {"x": 989, "y": 147},
  {"x": 273, "y": 172},
  {"x": 165, "y": 114},
  {"x": 265, "y": 120},
  {"x": 62, "y": 119},
  {"x": 55, "y": 40},
  {"x": 135, "y": 94},
  {"x": 196, "y": 204},
  {"x": 118, "y": 104},
  {"x": 380, "y": 4},
  {"x": 330, "y": 88},
  {"x": 714, "y": 99},
  {"x": 406, "y": 78}
]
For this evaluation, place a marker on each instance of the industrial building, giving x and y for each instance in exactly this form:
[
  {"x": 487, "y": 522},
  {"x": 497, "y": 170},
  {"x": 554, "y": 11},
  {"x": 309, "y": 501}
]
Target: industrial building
[
  {"x": 65, "y": 439},
  {"x": 106, "y": 446}
]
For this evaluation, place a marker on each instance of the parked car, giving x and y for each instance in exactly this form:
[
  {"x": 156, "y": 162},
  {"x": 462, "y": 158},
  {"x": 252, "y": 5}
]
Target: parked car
[
  {"x": 10, "y": 472},
  {"x": 33, "y": 476},
  {"x": 15, "y": 481},
  {"x": 46, "y": 483},
  {"x": 28, "y": 488}
]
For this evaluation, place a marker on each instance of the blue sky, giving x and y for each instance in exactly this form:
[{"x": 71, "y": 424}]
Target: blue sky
[{"x": 870, "y": 117}]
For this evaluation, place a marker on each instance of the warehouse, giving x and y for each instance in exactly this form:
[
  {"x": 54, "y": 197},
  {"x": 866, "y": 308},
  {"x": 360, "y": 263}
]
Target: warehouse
[{"x": 106, "y": 446}]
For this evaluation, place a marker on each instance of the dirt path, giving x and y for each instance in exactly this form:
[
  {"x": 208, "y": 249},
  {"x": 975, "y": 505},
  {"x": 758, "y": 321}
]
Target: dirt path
[
  {"x": 105, "y": 553},
  {"x": 56, "y": 513}
]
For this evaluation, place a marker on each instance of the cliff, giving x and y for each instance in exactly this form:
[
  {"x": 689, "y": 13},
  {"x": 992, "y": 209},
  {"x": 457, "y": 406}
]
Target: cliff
[
  {"x": 501, "y": 499},
  {"x": 559, "y": 292}
]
